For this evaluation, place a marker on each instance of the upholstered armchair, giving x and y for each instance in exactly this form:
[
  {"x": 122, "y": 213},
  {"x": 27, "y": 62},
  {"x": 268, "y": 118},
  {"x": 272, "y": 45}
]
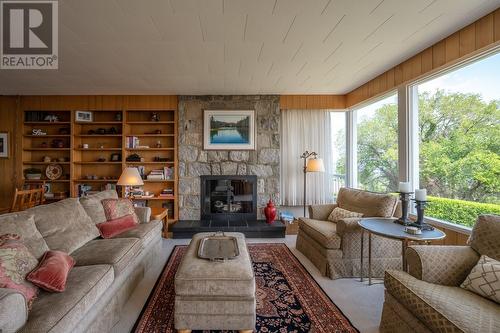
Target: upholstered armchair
[
  {"x": 429, "y": 299},
  {"x": 335, "y": 247}
]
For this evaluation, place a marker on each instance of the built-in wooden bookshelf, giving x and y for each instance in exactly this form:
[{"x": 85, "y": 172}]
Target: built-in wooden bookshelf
[{"x": 88, "y": 147}]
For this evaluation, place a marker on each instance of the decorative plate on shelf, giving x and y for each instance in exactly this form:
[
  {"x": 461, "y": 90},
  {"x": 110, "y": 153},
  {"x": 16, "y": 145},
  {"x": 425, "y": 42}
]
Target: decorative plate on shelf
[{"x": 53, "y": 171}]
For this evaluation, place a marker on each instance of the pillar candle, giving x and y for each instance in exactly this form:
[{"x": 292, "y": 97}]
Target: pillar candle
[
  {"x": 421, "y": 194},
  {"x": 404, "y": 187}
]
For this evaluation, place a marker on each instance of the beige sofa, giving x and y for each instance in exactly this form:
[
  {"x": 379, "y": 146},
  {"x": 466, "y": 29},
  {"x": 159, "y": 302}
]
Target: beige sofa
[
  {"x": 429, "y": 297},
  {"x": 105, "y": 274},
  {"x": 335, "y": 248}
]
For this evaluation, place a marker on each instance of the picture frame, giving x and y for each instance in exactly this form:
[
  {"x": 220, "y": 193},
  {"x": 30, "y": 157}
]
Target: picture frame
[
  {"x": 4, "y": 144},
  {"x": 84, "y": 116},
  {"x": 229, "y": 129}
]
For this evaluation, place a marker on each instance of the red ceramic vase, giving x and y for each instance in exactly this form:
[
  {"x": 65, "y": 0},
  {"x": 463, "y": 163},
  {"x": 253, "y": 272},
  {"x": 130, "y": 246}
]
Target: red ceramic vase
[{"x": 270, "y": 212}]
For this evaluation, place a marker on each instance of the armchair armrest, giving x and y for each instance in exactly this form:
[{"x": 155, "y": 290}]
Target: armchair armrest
[
  {"x": 321, "y": 212},
  {"x": 348, "y": 224},
  {"x": 143, "y": 213},
  {"x": 13, "y": 310},
  {"x": 438, "y": 264}
]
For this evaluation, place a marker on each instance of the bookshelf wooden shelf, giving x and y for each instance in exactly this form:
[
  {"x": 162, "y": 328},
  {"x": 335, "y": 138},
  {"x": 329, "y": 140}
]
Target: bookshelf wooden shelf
[
  {"x": 129, "y": 117},
  {"x": 103, "y": 163},
  {"x": 54, "y": 123},
  {"x": 149, "y": 149},
  {"x": 98, "y": 136},
  {"x": 47, "y": 136},
  {"x": 44, "y": 163},
  {"x": 150, "y": 122},
  {"x": 95, "y": 180}
]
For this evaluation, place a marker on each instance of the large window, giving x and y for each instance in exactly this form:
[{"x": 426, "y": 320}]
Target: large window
[
  {"x": 459, "y": 141},
  {"x": 338, "y": 128},
  {"x": 377, "y": 145}
]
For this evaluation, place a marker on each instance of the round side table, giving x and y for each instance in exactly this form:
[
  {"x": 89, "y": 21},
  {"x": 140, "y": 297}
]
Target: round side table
[{"x": 386, "y": 227}]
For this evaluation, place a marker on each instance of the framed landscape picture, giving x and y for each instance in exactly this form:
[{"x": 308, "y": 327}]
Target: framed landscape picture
[
  {"x": 4, "y": 144},
  {"x": 229, "y": 130}
]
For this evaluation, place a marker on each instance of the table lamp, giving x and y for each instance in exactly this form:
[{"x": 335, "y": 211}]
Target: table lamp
[
  {"x": 313, "y": 164},
  {"x": 130, "y": 177}
]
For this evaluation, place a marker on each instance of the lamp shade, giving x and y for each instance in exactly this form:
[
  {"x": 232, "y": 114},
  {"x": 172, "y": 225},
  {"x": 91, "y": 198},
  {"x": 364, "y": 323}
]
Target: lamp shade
[
  {"x": 130, "y": 177},
  {"x": 315, "y": 165}
]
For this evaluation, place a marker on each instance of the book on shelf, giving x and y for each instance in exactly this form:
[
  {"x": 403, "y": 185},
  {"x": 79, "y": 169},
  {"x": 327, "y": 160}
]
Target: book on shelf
[{"x": 132, "y": 141}]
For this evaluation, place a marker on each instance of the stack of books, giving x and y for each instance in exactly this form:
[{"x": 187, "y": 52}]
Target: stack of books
[
  {"x": 156, "y": 174},
  {"x": 167, "y": 192},
  {"x": 132, "y": 141}
]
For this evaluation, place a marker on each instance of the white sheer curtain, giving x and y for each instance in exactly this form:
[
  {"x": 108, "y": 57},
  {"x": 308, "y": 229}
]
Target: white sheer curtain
[{"x": 305, "y": 130}]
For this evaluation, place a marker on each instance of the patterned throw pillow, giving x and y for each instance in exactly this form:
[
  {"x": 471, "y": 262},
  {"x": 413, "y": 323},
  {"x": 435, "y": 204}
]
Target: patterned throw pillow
[
  {"x": 339, "y": 214},
  {"x": 484, "y": 279},
  {"x": 116, "y": 208},
  {"x": 16, "y": 261}
]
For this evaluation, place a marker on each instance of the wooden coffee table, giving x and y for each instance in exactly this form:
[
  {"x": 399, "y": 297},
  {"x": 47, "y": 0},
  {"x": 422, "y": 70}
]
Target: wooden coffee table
[{"x": 386, "y": 227}]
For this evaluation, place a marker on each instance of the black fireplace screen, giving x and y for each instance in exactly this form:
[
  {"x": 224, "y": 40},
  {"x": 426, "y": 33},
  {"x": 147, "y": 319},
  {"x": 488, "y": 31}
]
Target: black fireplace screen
[{"x": 228, "y": 197}]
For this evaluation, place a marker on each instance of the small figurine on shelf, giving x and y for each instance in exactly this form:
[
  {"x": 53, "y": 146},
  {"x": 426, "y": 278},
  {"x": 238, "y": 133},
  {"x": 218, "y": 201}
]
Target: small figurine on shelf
[
  {"x": 155, "y": 116},
  {"x": 158, "y": 144},
  {"x": 118, "y": 116},
  {"x": 51, "y": 118}
]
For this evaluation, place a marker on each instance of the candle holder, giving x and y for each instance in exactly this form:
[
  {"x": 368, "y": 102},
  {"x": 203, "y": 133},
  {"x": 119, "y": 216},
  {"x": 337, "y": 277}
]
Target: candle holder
[
  {"x": 405, "y": 199},
  {"x": 420, "y": 207}
]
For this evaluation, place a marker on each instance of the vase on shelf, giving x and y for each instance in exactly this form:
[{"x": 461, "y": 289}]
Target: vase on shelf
[{"x": 270, "y": 212}]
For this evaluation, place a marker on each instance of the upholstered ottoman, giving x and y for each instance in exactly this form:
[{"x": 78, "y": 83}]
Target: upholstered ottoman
[{"x": 211, "y": 295}]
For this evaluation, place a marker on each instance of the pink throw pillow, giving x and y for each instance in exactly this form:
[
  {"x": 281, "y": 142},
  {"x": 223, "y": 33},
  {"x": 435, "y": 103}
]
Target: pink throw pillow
[
  {"x": 115, "y": 208},
  {"x": 16, "y": 261},
  {"x": 52, "y": 272},
  {"x": 115, "y": 227}
]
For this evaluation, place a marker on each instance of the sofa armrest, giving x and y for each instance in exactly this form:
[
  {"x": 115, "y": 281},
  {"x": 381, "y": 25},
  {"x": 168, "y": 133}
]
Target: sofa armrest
[
  {"x": 348, "y": 224},
  {"x": 13, "y": 310},
  {"x": 441, "y": 264},
  {"x": 143, "y": 213},
  {"x": 321, "y": 212}
]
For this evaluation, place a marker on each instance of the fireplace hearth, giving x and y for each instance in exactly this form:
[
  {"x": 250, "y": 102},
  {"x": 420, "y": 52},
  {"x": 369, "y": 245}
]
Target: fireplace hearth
[{"x": 228, "y": 204}]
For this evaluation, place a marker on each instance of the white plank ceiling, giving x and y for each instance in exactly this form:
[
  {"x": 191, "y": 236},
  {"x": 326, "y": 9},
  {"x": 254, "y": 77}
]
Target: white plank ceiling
[{"x": 237, "y": 46}]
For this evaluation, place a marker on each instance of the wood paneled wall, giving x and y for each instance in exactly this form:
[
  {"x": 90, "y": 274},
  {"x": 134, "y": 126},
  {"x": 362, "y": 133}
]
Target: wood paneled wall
[
  {"x": 99, "y": 102},
  {"x": 8, "y": 123},
  {"x": 312, "y": 102},
  {"x": 452, "y": 237},
  {"x": 475, "y": 38}
]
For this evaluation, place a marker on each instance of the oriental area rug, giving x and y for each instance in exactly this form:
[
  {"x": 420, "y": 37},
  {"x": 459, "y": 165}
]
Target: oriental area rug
[{"x": 288, "y": 298}]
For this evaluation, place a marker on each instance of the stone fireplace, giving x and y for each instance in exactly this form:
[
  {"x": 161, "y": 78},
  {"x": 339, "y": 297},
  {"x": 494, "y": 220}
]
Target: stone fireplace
[{"x": 263, "y": 163}]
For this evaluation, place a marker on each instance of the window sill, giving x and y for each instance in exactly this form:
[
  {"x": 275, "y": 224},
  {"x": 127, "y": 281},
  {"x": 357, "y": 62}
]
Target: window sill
[{"x": 448, "y": 225}]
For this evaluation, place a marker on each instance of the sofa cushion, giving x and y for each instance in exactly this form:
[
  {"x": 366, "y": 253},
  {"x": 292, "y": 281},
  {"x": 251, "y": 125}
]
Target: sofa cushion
[
  {"x": 93, "y": 206},
  {"x": 16, "y": 261},
  {"x": 117, "y": 226},
  {"x": 485, "y": 235},
  {"x": 59, "y": 312},
  {"x": 145, "y": 232},
  {"x": 117, "y": 252},
  {"x": 323, "y": 232},
  {"x": 340, "y": 213},
  {"x": 52, "y": 272},
  {"x": 64, "y": 225},
  {"x": 116, "y": 208},
  {"x": 370, "y": 204},
  {"x": 484, "y": 279},
  {"x": 13, "y": 310},
  {"x": 443, "y": 308},
  {"x": 23, "y": 224}
]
